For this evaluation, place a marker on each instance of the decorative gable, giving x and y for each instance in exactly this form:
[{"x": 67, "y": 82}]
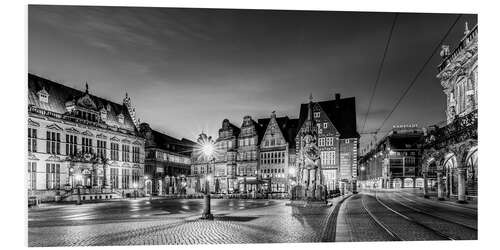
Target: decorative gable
[
  {"x": 121, "y": 118},
  {"x": 87, "y": 102},
  {"x": 104, "y": 113},
  {"x": 72, "y": 130},
  {"x": 54, "y": 126},
  {"x": 101, "y": 136},
  {"x": 43, "y": 95},
  {"x": 33, "y": 123},
  {"x": 114, "y": 138},
  {"x": 87, "y": 133},
  {"x": 273, "y": 136}
]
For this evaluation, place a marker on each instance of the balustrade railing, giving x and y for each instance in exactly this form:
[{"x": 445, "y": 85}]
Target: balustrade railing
[
  {"x": 461, "y": 129},
  {"x": 463, "y": 43}
]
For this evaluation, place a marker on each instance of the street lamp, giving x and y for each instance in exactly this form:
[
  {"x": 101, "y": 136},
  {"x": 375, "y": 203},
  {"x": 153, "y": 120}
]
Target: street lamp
[
  {"x": 207, "y": 147},
  {"x": 78, "y": 185}
]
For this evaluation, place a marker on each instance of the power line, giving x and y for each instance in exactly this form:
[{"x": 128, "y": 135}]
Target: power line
[
  {"x": 379, "y": 73},
  {"x": 420, "y": 71}
]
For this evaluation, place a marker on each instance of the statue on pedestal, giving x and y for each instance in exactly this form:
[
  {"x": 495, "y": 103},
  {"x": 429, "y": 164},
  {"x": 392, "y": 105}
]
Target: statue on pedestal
[{"x": 309, "y": 188}]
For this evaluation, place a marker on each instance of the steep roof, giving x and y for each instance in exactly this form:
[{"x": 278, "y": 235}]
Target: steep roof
[
  {"x": 59, "y": 94},
  {"x": 288, "y": 128},
  {"x": 166, "y": 142},
  {"x": 343, "y": 117}
]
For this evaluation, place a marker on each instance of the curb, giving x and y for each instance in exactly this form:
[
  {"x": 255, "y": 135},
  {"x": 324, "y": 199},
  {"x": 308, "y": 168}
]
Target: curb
[{"x": 328, "y": 234}]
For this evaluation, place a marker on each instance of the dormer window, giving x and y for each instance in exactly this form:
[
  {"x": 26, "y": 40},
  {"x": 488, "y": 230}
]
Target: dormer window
[
  {"x": 104, "y": 114},
  {"x": 316, "y": 115},
  {"x": 43, "y": 95},
  {"x": 121, "y": 118}
]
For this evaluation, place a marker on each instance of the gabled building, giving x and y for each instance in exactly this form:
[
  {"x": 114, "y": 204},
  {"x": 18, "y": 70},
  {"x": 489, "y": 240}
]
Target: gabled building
[
  {"x": 167, "y": 162},
  {"x": 338, "y": 139},
  {"x": 277, "y": 153},
  {"x": 76, "y": 139},
  {"x": 226, "y": 145},
  {"x": 247, "y": 164}
]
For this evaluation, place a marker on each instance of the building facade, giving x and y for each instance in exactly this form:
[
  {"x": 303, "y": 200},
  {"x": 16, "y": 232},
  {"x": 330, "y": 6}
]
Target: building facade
[
  {"x": 78, "y": 140},
  {"x": 247, "y": 159},
  {"x": 395, "y": 162},
  {"x": 167, "y": 162},
  {"x": 451, "y": 150},
  {"x": 277, "y": 153},
  {"x": 338, "y": 139}
]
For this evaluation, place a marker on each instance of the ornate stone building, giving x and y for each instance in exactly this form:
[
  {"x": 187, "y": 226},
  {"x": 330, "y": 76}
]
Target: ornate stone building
[
  {"x": 338, "y": 139},
  {"x": 451, "y": 150},
  {"x": 167, "y": 162},
  {"x": 76, "y": 139},
  {"x": 277, "y": 153}
]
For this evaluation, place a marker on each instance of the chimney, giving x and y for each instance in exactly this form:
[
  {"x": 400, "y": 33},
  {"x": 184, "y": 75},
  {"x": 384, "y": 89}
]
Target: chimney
[{"x": 337, "y": 100}]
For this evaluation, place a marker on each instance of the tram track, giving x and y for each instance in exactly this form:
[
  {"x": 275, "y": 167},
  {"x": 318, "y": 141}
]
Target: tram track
[
  {"x": 413, "y": 221},
  {"x": 405, "y": 195},
  {"x": 446, "y": 229},
  {"x": 393, "y": 235},
  {"x": 421, "y": 211}
]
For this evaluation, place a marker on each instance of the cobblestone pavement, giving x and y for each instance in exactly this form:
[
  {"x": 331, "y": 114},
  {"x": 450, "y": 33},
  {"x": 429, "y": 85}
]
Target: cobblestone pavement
[
  {"x": 235, "y": 221},
  {"x": 389, "y": 215}
]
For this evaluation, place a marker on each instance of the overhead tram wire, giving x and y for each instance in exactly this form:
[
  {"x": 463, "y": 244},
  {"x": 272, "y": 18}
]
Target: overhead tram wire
[
  {"x": 379, "y": 73},
  {"x": 420, "y": 71}
]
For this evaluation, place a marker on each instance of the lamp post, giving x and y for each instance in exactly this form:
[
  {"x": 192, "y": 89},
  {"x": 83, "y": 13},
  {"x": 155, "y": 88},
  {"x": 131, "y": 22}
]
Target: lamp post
[
  {"x": 78, "y": 185},
  {"x": 208, "y": 150}
]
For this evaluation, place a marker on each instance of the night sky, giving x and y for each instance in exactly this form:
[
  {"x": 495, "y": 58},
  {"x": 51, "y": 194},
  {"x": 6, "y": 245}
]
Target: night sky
[{"x": 188, "y": 69}]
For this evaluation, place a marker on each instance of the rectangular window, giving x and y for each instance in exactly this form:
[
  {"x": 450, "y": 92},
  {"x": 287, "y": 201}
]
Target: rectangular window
[
  {"x": 325, "y": 125},
  {"x": 126, "y": 153},
  {"x": 53, "y": 144},
  {"x": 125, "y": 178},
  {"x": 32, "y": 135},
  {"x": 71, "y": 143},
  {"x": 316, "y": 114},
  {"x": 86, "y": 145},
  {"x": 101, "y": 148},
  {"x": 114, "y": 151},
  {"x": 321, "y": 142},
  {"x": 114, "y": 178},
  {"x": 32, "y": 175},
  {"x": 135, "y": 154},
  {"x": 53, "y": 176}
]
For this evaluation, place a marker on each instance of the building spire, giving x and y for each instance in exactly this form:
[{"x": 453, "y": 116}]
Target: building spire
[
  {"x": 466, "y": 28},
  {"x": 309, "y": 108},
  {"x": 86, "y": 87}
]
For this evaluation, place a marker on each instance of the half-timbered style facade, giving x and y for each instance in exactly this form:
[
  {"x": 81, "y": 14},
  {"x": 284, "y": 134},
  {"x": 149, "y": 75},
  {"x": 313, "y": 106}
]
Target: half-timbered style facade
[{"x": 79, "y": 140}]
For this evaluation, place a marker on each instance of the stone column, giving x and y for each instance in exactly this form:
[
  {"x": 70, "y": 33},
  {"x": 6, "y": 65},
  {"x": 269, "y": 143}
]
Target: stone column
[
  {"x": 95, "y": 176},
  {"x": 426, "y": 192},
  {"x": 440, "y": 185},
  {"x": 461, "y": 185},
  {"x": 105, "y": 182}
]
